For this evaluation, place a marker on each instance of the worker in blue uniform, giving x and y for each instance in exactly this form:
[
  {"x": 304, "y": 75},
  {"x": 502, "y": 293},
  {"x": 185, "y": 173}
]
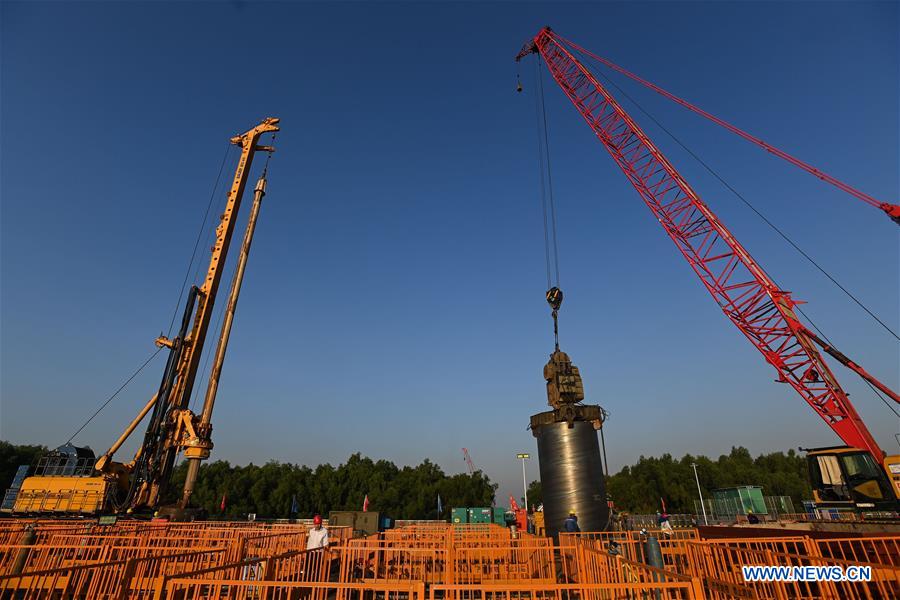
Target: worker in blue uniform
[{"x": 571, "y": 524}]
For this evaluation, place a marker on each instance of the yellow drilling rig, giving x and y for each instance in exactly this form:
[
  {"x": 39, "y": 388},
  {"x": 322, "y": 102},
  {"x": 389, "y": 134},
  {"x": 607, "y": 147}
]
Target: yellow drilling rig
[{"x": 70, "y": 481}]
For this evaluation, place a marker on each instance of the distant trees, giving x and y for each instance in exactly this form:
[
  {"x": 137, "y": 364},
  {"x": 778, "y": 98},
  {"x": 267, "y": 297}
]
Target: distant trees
[
  {"x": 11, "y": 456},
  {"x": 638, "y": 488},
  {"x": 269, "y": 490},
  {"x": 535, "y": 495},
  {"x": 411, "y": 492}
]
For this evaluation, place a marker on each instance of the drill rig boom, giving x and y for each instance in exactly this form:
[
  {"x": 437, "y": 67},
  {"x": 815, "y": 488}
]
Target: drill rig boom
[{"x": 141, "y": 483}]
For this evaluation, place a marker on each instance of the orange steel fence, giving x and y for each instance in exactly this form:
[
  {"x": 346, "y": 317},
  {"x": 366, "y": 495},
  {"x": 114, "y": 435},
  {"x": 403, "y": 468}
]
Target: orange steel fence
[
  {"x": 723, "y": 563},
  {"x": 123, "y": 578},
  {"x": 241, "y": 589},
  {"x": 361, "y": 563},
  {"x": 461, "y": 554},
  {"x": 669, "y": 590},
  {"x": 452, "y": 562},
  {"x": 876, "y": 549}
]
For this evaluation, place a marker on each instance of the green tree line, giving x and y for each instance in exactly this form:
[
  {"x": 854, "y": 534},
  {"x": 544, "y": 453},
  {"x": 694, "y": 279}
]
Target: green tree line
[
  {"x": 411, "y": 492},
  {"x": 11, "y": 456},
  {"x": 270, "y": 490}
]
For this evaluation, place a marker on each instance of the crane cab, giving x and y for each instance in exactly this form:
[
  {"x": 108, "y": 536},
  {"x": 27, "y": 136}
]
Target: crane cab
[{"x": 848, "y": 479}]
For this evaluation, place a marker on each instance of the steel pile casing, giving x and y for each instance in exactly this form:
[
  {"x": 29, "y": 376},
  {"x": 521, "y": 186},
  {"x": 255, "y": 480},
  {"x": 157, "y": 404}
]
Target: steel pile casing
[{"x": 571, "y": 475}]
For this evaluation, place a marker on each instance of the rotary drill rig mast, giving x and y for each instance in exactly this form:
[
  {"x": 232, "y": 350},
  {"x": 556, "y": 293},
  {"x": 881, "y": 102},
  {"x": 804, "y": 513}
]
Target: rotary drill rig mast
[{"x": 141, "y": 483}]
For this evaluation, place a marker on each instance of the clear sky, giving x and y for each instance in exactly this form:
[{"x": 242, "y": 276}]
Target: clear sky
[{"x": 393, "y": 304}]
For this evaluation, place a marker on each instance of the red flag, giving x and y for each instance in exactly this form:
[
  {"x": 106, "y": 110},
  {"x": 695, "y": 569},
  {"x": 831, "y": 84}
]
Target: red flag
[
  {"x": 222, "y": 504},
  {"x": 366, "y": 504},
  {"x": 663, "y": 502}
]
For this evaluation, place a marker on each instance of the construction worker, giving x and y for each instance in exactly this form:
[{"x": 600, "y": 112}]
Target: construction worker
[
  {"x": 571, "y": 524},
  {"x": 751, "y": 518},
  {"x": 664, "y": 525},
  {"x": 317, "y": 537}
]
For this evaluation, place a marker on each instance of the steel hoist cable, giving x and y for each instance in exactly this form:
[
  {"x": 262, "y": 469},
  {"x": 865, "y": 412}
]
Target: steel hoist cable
[
  {"x": 554, "y": 295},
  {"x": 892, "y": 210},
  {"x": 116, "y": 393},
  {"x": 750, "y": 205},
  {"x": 766, "y": 220},
  {"x": 177, "y": 304},
  {"x": 212, "y": 195},
  {"x": 542, "y": 173}
]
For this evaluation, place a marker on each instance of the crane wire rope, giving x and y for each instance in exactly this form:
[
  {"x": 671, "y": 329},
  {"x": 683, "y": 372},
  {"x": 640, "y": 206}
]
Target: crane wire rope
[
  {"x": 116, "y": 393},
  {"x": 893, "y": 211},
  {"x": 220, "y": 309},
  {"x": 178, "y": 303},
  {"x": 209, "y": 204},
  {"x": 211, "y": 233},
  {"x": 766, "y": 220},
  {"x": 544, "y": 149},
  {"x": 543, "y": 183},
  {"x": 548, "y": 204},
  {"x": 830, "y": 343}
]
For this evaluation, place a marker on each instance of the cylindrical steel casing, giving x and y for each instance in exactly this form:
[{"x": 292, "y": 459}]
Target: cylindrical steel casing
[{"x": 571, "y": 476}]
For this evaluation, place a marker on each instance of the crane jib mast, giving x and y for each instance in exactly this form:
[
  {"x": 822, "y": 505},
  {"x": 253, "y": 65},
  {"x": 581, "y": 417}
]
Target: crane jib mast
[
  {"x": 141, "y": 483},
  {"x": 173, "y": 428},
  {"x": 746, "y": 294}
]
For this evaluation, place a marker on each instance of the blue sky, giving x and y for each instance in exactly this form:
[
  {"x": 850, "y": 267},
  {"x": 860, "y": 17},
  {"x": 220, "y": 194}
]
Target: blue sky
[{"x": 393, "y": 303}]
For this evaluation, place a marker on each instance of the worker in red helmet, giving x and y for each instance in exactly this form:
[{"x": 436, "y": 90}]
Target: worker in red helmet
[{"x": 317, "y": 537}]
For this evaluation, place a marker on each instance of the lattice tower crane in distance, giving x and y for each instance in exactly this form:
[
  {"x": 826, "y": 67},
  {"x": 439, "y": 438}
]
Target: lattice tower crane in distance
[
  {"x": 140, "y": 484},
  {"x": 858, "y": 476},
  {"x": 469, "y": 463}
]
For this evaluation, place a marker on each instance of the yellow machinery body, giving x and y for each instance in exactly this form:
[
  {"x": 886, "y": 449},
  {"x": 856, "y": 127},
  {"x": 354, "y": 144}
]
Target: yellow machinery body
[
  {"x": 847, "y": 478},
  {"x": 63, "y": 494},
  {"x": 71, "y": 481}
]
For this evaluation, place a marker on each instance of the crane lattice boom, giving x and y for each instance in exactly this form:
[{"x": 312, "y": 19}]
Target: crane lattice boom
[
  {"x": 469, "y": 462},
  {"x": 746, "y": 294}
]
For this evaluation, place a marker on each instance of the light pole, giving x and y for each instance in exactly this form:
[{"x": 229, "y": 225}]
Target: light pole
[
  {"x": 702, "y": 506},
  {"x": 523, "y": 457}
]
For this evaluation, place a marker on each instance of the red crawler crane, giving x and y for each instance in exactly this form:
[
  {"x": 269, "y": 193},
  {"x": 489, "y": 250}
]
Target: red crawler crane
[{"x": 746, "y": 294}]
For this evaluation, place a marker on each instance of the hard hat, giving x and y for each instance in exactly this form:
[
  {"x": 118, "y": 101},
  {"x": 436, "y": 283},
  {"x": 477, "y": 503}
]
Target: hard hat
[
  {"x": 572, "y": 511},
  {"x": 317, "y": 520}
]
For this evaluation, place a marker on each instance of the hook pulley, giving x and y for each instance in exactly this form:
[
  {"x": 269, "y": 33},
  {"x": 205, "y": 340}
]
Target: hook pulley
[{"x": 554, "y": 299}]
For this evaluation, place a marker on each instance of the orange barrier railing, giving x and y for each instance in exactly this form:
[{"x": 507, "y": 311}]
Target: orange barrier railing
[
  {"x": 241, "y": 589},
  {"x": 458, "y": 554},
  {"x": 480, "y": 562},
  {"x": 296, "y": 566},
  {"x": 367, "y": 563},
  {"x": 881, "y": 549},
  {"x": 106, "y": 544},
  {"x": 14, "y": 533},
  {"x": 724, "y": 562},
  {"x": 669, "y": 590},
  {"x": 884, "y": 583},
  {"x": 472, "y": 565},
  {"x": 113, "y": 579},
  {"x": 569, "y": 539}
]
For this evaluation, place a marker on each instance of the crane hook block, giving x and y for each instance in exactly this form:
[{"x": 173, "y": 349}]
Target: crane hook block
[{"x": 554, "y": 298}]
